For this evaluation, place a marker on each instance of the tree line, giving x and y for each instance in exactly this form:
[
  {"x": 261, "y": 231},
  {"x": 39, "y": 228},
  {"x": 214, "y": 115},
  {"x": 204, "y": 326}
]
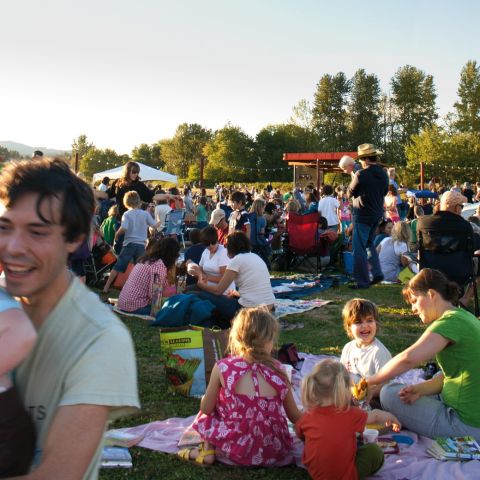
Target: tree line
[{"x": 343, "y": 113}]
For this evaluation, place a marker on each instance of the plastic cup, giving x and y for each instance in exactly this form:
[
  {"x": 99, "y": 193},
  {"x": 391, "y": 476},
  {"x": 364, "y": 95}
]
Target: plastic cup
[{"x": 370, "y": 435}]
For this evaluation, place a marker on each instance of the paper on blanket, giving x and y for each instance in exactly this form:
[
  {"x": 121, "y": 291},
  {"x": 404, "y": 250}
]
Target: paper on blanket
[{"x": 287, "y": 306}]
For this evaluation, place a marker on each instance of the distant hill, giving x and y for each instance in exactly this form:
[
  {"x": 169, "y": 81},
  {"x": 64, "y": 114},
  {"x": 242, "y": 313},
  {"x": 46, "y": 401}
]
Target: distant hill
[{"x": 27, "y": 150}]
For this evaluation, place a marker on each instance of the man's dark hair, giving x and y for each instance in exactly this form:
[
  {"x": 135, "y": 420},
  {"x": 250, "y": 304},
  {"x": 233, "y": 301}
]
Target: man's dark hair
[
  {"x": 238, "y": 197},
  {"x": 237, "y": 242},
  {"x": 327, "y": 190},
  {"x": 37, "y": 153},
  {"x": 194, "y": 236},
  {"x": 106, "y": 180},
  {"x": 50, "y": 178},
  {"x": 165, "y": 249},
  {"x": 208, "y": 236}
]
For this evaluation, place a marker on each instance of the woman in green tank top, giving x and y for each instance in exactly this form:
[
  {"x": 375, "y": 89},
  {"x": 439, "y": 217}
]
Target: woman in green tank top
[{"x": 447, "y": 404}]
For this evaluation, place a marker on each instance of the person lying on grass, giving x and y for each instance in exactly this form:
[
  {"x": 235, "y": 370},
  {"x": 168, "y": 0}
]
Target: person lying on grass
[
  {"x": 242, "y": 414},
  {"x": 330, "y": 422}
]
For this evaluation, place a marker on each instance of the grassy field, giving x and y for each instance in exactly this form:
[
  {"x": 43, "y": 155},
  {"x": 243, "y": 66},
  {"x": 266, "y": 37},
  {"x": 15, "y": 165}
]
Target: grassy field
[{"x": 323, "y": 333}]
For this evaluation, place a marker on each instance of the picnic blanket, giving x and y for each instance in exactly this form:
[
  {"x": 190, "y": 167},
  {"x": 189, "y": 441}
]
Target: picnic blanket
[
  {"x": 299, "y": 286},
  {"x": 283, "y": 307},
  {"x": 412, "y": 462}
]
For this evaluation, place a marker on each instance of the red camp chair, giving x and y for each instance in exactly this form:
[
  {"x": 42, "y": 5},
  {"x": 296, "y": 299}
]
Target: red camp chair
[{"x": 304, "y": 241}]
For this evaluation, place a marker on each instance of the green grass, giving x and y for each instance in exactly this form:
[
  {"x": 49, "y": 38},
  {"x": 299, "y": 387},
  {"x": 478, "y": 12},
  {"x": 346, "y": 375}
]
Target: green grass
[{"x": 323, "y": 333}]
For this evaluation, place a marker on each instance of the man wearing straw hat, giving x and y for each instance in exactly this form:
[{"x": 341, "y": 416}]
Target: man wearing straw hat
[{"x": 367, "y": 190}]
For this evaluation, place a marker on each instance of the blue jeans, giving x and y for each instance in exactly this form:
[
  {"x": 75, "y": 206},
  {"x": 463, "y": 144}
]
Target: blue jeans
[
  {"x": 131, "y": 251},
  {"x": 428, "y": 416},
  {"x": 363, "y": 236}
]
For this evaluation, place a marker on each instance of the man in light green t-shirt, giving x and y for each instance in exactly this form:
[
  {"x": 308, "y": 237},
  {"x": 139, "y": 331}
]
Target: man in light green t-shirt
[{"x": 82, "y": 370}]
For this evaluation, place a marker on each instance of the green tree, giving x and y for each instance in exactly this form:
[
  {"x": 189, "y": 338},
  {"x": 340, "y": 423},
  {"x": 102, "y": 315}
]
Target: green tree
[
  {"x": 364, "y": 110},
  {"x": 6, "y": 154},
  {"x": 468, "y": 106},
  {"x": 185, "y": 148},
  {"x": 230, "y": 156},
  {"x": 95, "y": 160},
  {"x": 275, "y": 140},
  {"x": 453, "y": 156},
  {"x": 330, "y": 111},
  {"x": 413, "y": 107},
  {"x": 81, "y": 146},
  {"x": 149, "y": 155}
]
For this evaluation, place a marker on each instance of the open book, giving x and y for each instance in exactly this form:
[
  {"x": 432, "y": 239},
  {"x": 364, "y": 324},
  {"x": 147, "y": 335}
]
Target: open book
[{"x": 454, "y": 448}]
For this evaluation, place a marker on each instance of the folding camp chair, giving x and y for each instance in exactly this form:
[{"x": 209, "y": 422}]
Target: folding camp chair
[
  {"x": 101, "y": 260},
  {"x": 303, "y": 240},
  {"x": 450, "y": 252},
  {"x": 175, "y": 224}
]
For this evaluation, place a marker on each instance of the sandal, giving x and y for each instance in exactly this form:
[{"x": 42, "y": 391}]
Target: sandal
[{"x": 184, "y": 454}]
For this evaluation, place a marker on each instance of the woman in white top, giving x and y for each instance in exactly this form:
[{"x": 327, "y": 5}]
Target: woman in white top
[
  {"x": 250, "y": 275},
  {"x": 392, "y": 250},
  {"x": 214, "y": 259}
]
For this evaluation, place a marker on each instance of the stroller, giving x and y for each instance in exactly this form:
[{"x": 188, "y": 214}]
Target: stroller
[{"x": 102, "y": 259}]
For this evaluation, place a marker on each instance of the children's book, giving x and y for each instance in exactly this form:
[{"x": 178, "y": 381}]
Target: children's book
[
  {"x": 118, "y": 438},
  {"x": 116, "y": 457},
  {"x": 454, "y": 448}
]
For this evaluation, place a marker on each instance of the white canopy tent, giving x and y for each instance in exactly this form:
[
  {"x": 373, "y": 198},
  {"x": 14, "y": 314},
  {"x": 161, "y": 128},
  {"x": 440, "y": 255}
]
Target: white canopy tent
[{"x": 146, "y": 173}]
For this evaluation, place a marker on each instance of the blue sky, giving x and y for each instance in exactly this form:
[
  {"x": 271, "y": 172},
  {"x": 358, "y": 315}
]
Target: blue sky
[{"x": 129, "y": 72}]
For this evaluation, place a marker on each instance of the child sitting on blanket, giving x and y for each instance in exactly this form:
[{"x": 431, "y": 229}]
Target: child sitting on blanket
[
  {"x": 365, "y": 355},
  {"x": 17, "y": 433},
  {"x": 329, "y": 425},
  {"x": 242, "y": 415}
]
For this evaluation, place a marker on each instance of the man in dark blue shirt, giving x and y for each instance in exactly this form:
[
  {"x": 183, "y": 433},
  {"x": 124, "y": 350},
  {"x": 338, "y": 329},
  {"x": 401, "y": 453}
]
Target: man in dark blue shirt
[{"x": 367, "y": 191}]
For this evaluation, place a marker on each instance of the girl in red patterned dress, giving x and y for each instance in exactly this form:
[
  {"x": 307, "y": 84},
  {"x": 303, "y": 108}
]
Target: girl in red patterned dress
[{"x": 242, "y": 414}]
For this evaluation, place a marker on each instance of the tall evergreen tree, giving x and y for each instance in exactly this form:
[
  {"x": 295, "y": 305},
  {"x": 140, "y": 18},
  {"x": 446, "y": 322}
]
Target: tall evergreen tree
[
  {"x": 363, "y": 110},
  {"x": 468, "y": 106},
  {"x": 413, "y": 101},
  {"x": 330, "y": 111}
]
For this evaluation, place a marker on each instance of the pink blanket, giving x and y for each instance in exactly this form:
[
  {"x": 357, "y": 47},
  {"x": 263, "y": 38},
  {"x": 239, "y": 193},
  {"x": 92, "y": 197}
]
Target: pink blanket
[{"x": 412, "y": 462}]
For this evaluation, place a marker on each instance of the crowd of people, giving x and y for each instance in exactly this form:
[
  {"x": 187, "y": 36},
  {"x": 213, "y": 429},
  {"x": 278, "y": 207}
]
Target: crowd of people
[{"x": 58, "y": 332}]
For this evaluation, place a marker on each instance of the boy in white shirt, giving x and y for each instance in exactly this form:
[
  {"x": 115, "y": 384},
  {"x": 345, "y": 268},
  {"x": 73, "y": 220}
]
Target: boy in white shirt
[
  {"x": 328, "y": 207},
  {"x": 365, "y": 355}
]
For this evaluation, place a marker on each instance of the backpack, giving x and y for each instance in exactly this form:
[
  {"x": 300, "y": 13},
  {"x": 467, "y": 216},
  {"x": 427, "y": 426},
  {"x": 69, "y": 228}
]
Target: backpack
[{"x": 288, "y": 354}]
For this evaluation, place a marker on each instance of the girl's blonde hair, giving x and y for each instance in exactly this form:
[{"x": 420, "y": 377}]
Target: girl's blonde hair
[
  {"x": 113, "y": 211},
  {"x": 401, "y": 232},
  {"x": 328, "y": 381},
  {"x": 292, "y": 206},
  {"x": 252, "y": 329},
  {"x": 257, "y": 207}
]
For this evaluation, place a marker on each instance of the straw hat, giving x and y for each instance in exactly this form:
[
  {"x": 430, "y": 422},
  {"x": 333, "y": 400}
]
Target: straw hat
[{"x": 368, "y": 150}]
